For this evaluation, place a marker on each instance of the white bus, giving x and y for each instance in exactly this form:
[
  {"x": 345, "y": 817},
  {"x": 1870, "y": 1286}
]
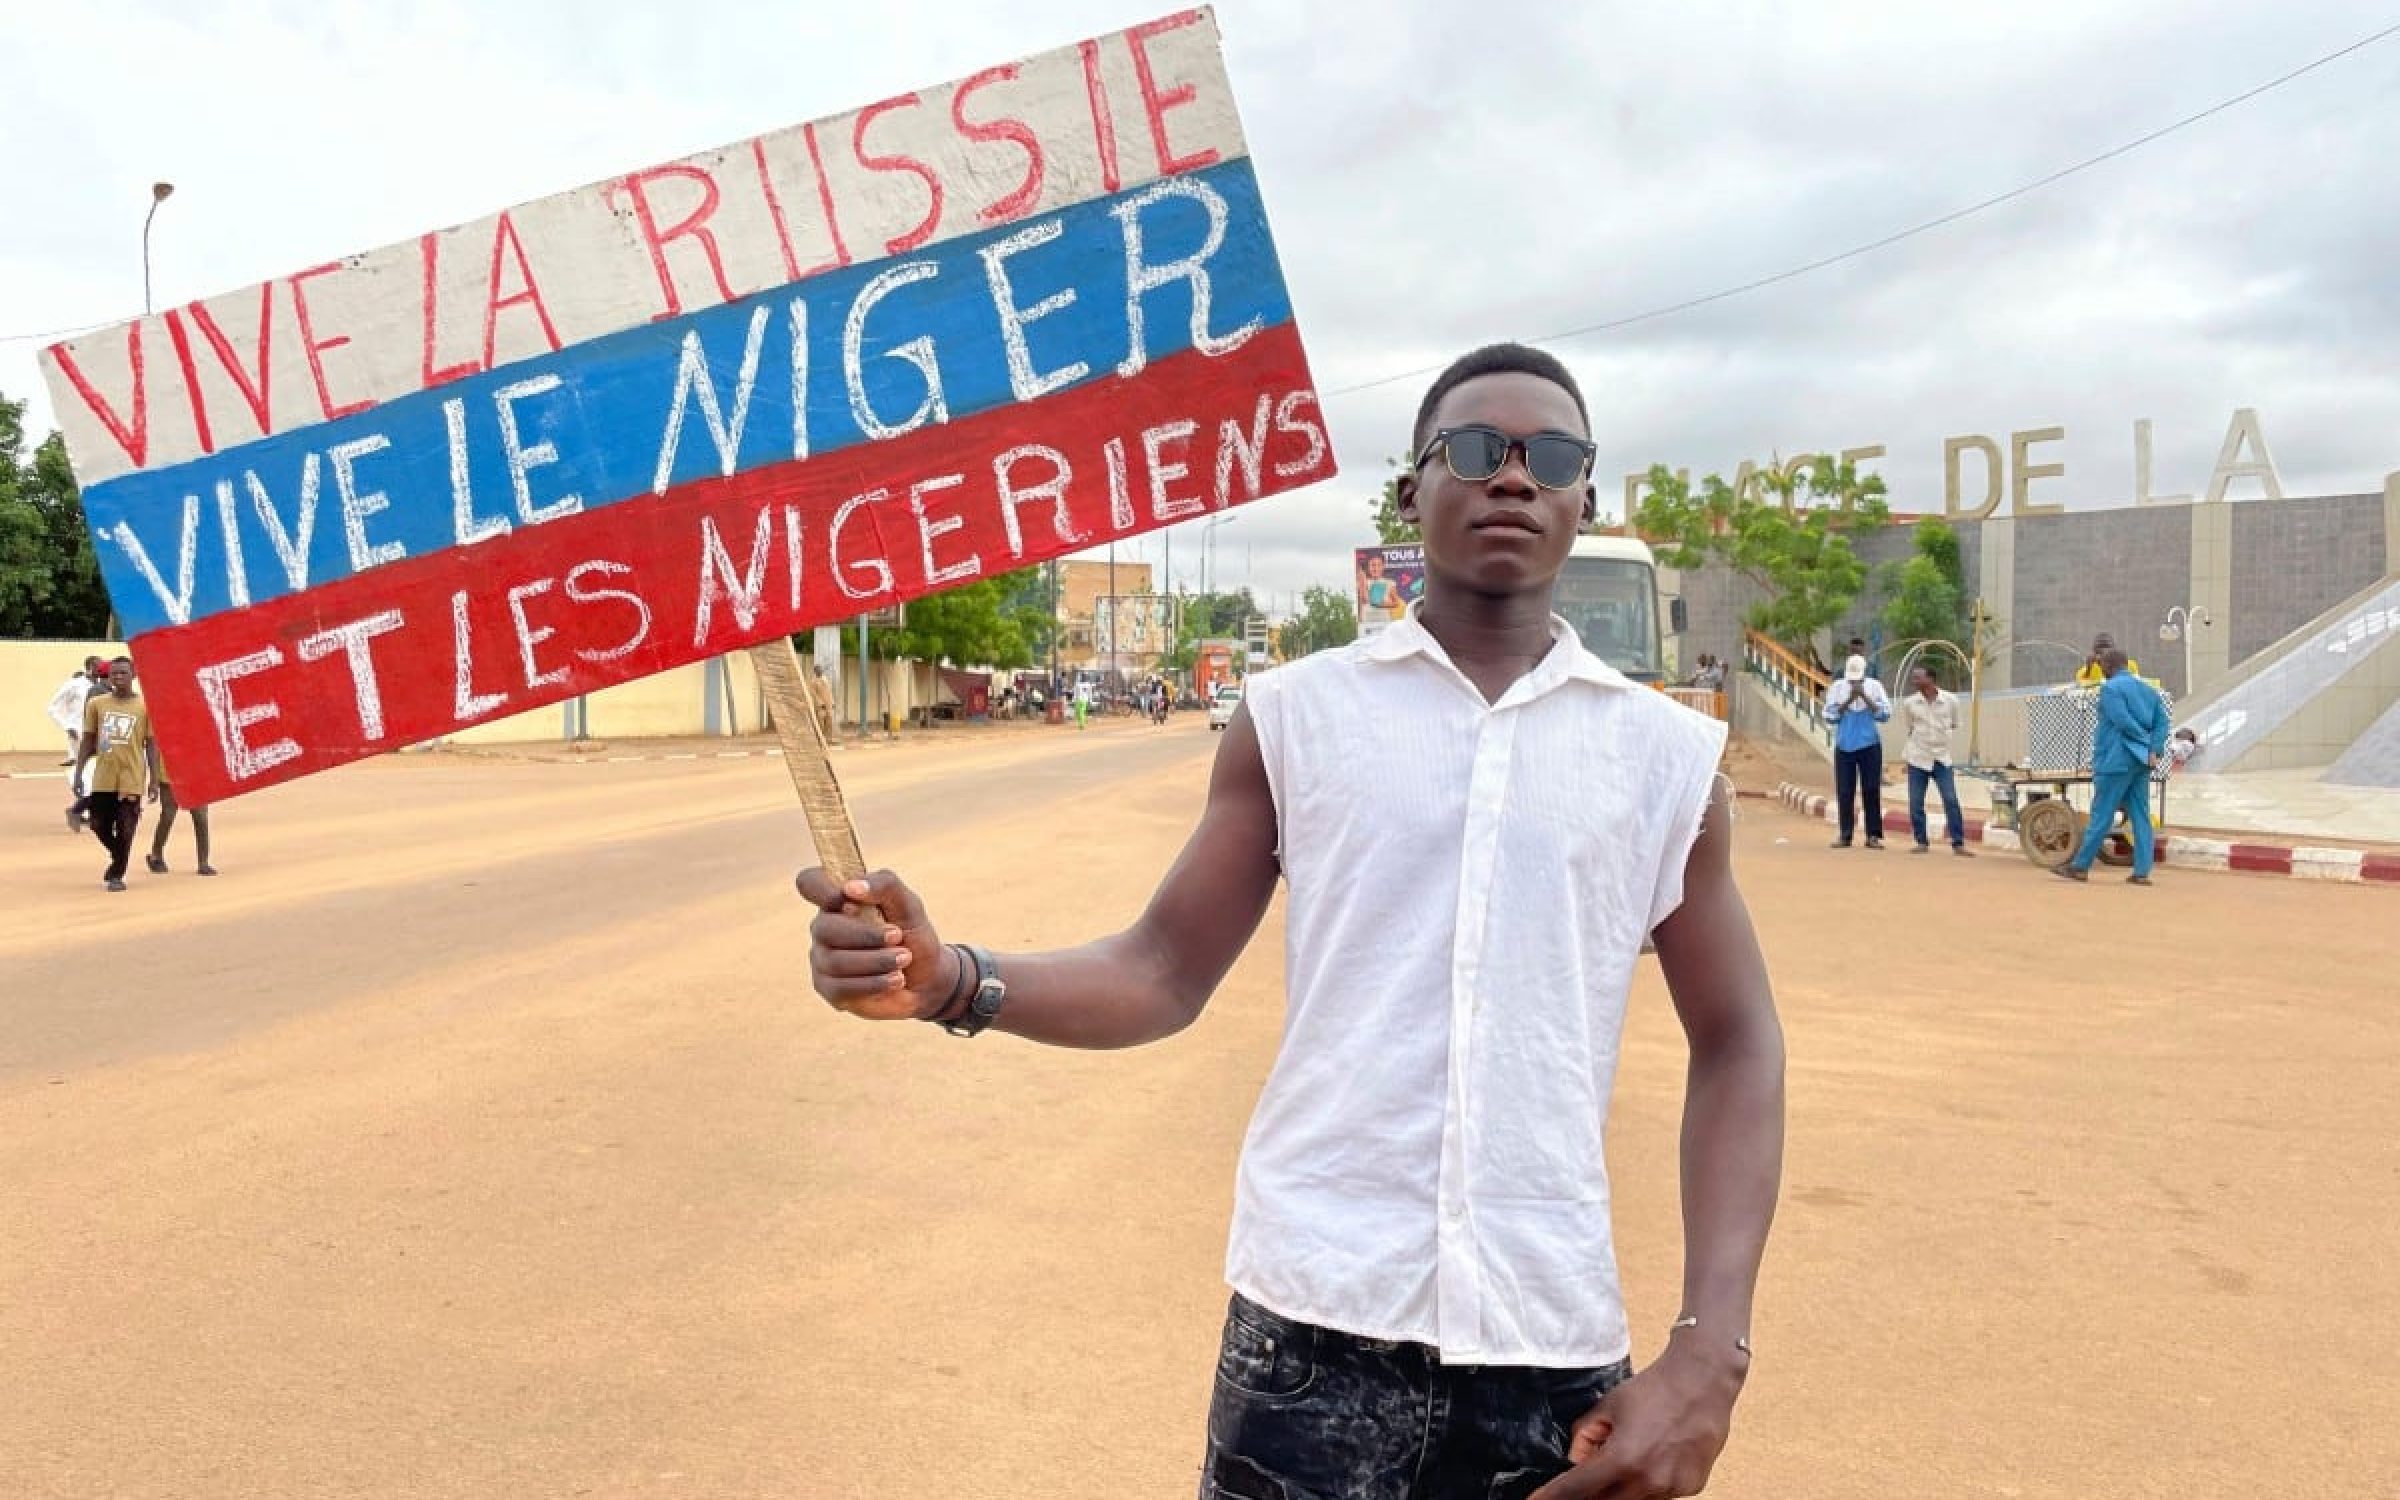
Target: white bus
[{"x": 1610, "y": 591}]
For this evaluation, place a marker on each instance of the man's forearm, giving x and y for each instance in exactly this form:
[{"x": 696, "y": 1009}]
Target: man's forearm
[
  {"x": 1108, "y": 994},
  {"x": 1732, "y": 1165}
]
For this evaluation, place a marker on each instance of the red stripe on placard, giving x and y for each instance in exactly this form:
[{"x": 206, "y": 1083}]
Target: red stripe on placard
[{"x": 418, "y": 649}]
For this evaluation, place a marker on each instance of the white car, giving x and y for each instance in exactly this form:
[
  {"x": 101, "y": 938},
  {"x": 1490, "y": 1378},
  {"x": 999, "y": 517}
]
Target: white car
[{"x": 1221, "y": 707}]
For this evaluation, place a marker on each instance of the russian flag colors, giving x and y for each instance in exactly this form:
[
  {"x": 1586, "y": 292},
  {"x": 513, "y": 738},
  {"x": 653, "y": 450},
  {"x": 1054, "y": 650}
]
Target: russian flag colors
[{"x": 692, "y": 408}]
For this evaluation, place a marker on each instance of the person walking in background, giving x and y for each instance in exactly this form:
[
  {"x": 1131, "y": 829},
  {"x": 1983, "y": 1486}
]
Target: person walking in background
[
  {"x": 87, "y": 685},
  {"x": 820, "y": 693},
  {"x": 2126, "y": 746},
  {"x": 66, "y": 711},
  {"x": 1854, "y": 705},
  {"x": 123, "y": 758},
  {"x": 164, "y": 793},
  {"x": 1932, "y": 719},
  {"x": 66, "y": 705}
]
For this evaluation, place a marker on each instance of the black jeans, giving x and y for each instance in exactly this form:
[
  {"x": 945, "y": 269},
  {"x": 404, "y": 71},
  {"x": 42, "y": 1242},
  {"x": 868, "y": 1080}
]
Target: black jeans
[
  {"x": 1306, "y": 1413},
  {"x": 1862, "y": 769},
  {"x": 115, "y": 820}
]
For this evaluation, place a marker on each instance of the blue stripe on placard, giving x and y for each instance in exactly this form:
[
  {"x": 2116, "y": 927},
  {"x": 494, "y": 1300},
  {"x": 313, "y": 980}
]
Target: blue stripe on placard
[{"x": 586, "y": 427}]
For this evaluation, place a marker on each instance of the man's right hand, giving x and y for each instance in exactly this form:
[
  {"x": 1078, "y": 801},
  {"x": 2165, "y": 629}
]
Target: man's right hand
[{"x": 892, "y": 970}]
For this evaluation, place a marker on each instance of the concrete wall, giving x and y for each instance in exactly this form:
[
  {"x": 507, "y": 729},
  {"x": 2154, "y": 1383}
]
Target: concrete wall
[
  {"x": 1715, "y": 600},
  {"x": 1721, "y": 599},
  {"x": 673, "y": 703},
  {"x": 2260, "y": 569},
  {"x": 30, "y": 671},
  {"x": 2295, "y": 560},
  {"x": 1881, "y": 549},
  {"x": 2118, "y": 571}
]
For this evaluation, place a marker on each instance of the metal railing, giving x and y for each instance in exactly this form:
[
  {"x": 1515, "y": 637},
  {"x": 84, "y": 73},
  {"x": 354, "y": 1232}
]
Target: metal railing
[
  {"x": 1799, "y": 685},
  {"x": 1710, "y": 701}
]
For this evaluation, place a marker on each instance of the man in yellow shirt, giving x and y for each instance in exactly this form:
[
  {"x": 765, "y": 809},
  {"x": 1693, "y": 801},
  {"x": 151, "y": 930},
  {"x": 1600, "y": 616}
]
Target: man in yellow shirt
[
  {"x": 124, "y": 762},
  {"x": 2091, "y": 674}
]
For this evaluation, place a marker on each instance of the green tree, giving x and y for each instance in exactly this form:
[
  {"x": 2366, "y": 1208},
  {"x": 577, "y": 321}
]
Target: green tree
[
  {"x": 1218, "y": 616},
  {"x": 1390, "y": 530},
  {"x": 1027, "y": 601},
  {"x": 1792, "y": 538},
  {"x": 1208, "y": 617},
  {"x": 78, "y": 605},
  {"x": 1327, "y": 618},
  {"x": 49, "y": 577},
  {"x": 26, "y": 566},
  {"x": 972, "y": 625},
  {"x": 1928, "y": 589}
]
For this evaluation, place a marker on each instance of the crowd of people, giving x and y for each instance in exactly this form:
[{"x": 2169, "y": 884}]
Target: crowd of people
[
  {"x": 2132, "y": 740},
  {"x": 115, "y": 769}
]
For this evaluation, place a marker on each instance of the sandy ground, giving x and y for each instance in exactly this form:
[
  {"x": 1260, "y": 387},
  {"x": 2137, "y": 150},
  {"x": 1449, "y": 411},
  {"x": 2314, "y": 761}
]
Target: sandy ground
[{"x": 474, "y": 1136}]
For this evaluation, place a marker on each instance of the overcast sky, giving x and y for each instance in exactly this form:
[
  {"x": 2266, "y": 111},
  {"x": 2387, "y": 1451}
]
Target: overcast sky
[{"x": 1439, "y": 175}]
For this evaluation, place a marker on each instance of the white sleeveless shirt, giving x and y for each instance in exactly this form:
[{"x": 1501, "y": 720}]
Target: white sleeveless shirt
[{"x": 1470, "y": 887}]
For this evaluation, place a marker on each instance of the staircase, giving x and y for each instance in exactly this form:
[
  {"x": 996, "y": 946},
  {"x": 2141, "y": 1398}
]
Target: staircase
[
  {"x": 2373, "y": 759},
  {"x": 2303, "y": 700},
  {"x": 1787, "y": 691}
]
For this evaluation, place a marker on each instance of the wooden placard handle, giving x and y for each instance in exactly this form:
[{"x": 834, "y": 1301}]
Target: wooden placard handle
[{"x": 809, "y": 758}]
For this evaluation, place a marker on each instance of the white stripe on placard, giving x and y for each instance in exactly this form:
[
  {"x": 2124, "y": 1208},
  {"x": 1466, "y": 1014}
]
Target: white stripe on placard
[{"x": 1007, "y": 143}]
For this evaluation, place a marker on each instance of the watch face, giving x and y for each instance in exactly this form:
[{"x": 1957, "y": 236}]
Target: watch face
[{"x": 988, "y": 996}]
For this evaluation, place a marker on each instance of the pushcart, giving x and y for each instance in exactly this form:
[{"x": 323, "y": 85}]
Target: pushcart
[{"x": 2040, "y": 805}]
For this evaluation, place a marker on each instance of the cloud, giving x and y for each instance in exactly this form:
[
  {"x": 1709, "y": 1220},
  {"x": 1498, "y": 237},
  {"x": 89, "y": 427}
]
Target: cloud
[{"x": 1437, "y": 179}]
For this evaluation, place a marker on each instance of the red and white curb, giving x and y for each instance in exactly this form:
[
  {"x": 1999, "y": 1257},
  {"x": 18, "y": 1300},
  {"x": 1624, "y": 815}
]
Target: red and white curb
[{"x": 2183, "y": 851}]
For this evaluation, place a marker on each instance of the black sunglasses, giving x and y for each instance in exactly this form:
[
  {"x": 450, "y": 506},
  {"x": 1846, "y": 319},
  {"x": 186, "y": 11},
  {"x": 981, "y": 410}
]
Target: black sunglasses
[{"x": 1555, "y": 460}]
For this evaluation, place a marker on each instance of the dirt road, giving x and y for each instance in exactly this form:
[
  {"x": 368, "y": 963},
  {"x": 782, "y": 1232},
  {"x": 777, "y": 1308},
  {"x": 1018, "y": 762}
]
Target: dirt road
[{"x": 474, "y": 1136}]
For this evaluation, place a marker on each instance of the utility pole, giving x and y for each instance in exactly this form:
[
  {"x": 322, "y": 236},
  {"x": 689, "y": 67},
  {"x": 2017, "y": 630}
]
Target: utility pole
[
  {"x": 863, "y": 706},
  {"x": 1054, "y": 627}
]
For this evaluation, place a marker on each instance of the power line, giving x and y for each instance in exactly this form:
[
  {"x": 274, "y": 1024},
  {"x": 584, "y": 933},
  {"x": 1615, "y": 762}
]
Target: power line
[
  {"x": 1913, "y": 230},
  {"x": 55, "y": 333},
  {"x": 1759, "y": 283}
]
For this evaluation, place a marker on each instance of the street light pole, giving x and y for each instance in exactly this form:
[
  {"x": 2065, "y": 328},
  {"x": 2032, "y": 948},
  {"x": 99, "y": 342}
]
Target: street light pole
[
  {"x": 1208, "y": 552},
  {"x": 2181, "y": 620},
  {"x": 159, "y": 193}
]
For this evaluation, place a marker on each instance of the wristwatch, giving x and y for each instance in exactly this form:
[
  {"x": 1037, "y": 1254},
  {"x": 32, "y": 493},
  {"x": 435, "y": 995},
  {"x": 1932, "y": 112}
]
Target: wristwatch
[{"x": 991, "y": 991}]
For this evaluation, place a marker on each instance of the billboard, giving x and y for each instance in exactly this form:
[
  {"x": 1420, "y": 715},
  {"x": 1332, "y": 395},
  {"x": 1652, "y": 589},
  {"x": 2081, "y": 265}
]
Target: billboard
[
  {"x": 691, "y": 408},
  {"x": 1386, "y": 580},
  {"x": 1133, "y": 625}
]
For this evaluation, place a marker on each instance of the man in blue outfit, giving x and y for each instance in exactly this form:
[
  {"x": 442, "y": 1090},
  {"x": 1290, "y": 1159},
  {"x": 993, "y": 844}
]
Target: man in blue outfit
[
  {"x": 2126, "y": 745},
  {"x": 1855, "y": 704}
]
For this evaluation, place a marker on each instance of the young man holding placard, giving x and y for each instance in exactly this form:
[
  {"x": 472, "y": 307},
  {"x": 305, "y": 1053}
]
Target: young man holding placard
[{"x": 1426, "y": 1299}]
